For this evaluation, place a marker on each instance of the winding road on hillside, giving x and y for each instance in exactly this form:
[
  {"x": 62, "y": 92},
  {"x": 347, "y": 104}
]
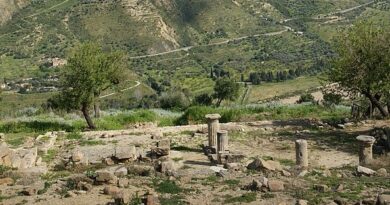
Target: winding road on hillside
[
  {"x": 187, "y": 48},
  {"x": 213, "y": 44},
  {"x": 123, "y": 90}
]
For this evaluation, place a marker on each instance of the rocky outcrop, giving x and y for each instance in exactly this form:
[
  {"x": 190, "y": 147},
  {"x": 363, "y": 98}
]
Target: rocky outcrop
[
  {"x": 18, "y": 158},
  {"x": 9, "y": 7}
]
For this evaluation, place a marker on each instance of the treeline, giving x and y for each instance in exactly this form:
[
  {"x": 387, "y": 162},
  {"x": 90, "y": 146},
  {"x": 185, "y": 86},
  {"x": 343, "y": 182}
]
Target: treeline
[{"x": 257, "y": 78}]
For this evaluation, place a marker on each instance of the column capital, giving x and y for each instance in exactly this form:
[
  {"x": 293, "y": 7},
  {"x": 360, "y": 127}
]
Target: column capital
[
  {"x": 366, "y": 139},
  {"x": 213, "y": 116}
]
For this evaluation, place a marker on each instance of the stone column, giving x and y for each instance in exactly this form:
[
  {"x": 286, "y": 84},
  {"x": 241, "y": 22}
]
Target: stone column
[
  {"x": 213, "y": 127},
  {"x": 365, "y": 148},
  {"x": 222, "y": 141},
  {"x": 301, "y": 153},
  {"x": 222, "y": 144}
]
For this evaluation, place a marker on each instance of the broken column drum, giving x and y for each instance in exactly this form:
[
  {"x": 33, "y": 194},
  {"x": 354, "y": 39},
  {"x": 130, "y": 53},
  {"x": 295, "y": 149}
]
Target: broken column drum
[
  {"x": 302, "y": 160},
  {"x": 213, "y": 127},
  {"x": 222, "y": 141},
  {"x": 365, "y": 149},
  {"x": 222, "y": 144}
]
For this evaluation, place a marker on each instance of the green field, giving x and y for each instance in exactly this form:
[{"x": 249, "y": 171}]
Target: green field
[{"x": 271, "y": 90}]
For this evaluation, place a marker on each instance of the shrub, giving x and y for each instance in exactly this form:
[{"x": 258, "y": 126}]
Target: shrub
[
  {"x": 332, "y": 99},
  {"x": 307, "y": 97},
  {"x": 169, "y": 187},
  {"x": 74, "y": 136},
  {"x": 174, "y": 100}
]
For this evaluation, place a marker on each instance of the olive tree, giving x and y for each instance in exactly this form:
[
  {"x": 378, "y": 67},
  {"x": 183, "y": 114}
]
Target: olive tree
[
  {"x": 88, "y": 73},
  {"x": 363, "y": 62},
  {"x": 225, "y": 89}
]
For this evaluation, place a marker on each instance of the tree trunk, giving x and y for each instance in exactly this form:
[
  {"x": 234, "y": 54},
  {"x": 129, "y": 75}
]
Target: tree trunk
[
  {"x": 375, "y": 102},
  {"x": 388, "y": 106},
  {"x": 219, "y": 102},
  {"x": 96, "y": 108},
  {"x": 84, "y": 109}
]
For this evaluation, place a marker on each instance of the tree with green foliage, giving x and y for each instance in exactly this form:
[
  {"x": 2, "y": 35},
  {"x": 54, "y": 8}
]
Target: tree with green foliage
[
  {"x": 363, "y": 63},
  {"x": 225, "y": 89},
  {"x": 203, "y": 99},
  {"x": 88, "y": 73}
]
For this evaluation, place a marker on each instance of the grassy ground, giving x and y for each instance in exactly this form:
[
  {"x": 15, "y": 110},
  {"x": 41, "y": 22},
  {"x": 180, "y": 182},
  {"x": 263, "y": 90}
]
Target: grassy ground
[{"x": 270, "y": 90}]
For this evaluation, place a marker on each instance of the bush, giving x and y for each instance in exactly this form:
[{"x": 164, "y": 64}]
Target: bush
[
  {"x": 307, "y": 97},
  {"x": 332, "y": 99},
  {"x": 197, "y": 114},
  {"x": 174, "y": 100}
]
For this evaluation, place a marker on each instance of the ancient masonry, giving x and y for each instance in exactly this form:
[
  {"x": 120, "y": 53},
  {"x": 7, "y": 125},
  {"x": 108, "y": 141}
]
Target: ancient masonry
[
  {"x": 218, "y": 144},
  {"x": 222, "y": 145},
  {"x": 213, "y": 127},
  {"x": 301, "y": 154},
  {"x": 365, "y": 149}
]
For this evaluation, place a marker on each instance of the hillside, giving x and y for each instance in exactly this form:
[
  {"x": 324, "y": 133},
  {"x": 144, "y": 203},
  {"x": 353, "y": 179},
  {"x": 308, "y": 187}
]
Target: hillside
[
  {"x": 183, "y": 41},
  {"x": 9, "y": 7}
]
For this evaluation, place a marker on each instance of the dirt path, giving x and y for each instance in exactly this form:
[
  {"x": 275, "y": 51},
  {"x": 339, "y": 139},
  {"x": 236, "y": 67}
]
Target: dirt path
[
  {"x": 123, "y": 90},
  {"x": 187, "y": 48}
]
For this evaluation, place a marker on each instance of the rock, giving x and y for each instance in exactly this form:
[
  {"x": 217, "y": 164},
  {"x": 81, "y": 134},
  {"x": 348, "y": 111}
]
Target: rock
[
  {"x": 260, "y": 164},
  {"x": 275, "y": 185},
  {"x": 125, "y": 153},
  {"x": 108, "y": 161},
  {"x": 157, "y": 135},
  {"x": 111, "y": 190},
  {"x": 6, "y": 181},
  {"x": 217, "y": 169},
  {"x": 140, "y": 170},
  {"x": 234, "y": 158},
  {"x": 2, "y": 136},
  {"x": 382, "y": 172},
  {"x": 28, "y": 158},
  {"x": 121, "y": 172},
  {"x": 30, "y": 191},
  {"x": 168, "y": 168},
  {"x": 166, "y": 143},
  {"x": 5, "y": 155},
  {"x": 264, "y": 180},
  {"x": 84, "y": 186},
  {"x": 339, "y": 188},
  {"x": 321, "y": 188},
  {"x": 77, "y": 156},
  {"x": 303, "y": 173},
  {"x": 326, "y": 173},
  {"x": 150, "y": 200},
  {"x": 302, "y": 202},
  {"x": 383, "y": 200},
  {"x": 158, "y": 152},
  {"x": 340, "y": 201},
  {"x": 223, "y": 174},
  {"x": 234, "y": 167},
  {"x": 104, "y": 176},
  {"x": 4, "y": 150},
  {"x": 365, "y": 171},
  {"x": 123, "y": 182},
  {"x": 80, "y": 192},
  {"x": 119, "y": 198},
  {"x": 70, "y": 194},
  {"x": 256, "y": 185},
  {"x": 286, "y": 173}
]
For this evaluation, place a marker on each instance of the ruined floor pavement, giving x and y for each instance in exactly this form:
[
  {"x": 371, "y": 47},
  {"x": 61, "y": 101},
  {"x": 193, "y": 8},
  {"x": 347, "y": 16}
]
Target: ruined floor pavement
[{"x": 167, "y": 165}]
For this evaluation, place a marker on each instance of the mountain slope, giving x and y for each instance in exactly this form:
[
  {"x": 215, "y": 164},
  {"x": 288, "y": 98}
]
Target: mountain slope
[
  {"x": 183, "y": 40},
  {"x": 9, "y": 7}
]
